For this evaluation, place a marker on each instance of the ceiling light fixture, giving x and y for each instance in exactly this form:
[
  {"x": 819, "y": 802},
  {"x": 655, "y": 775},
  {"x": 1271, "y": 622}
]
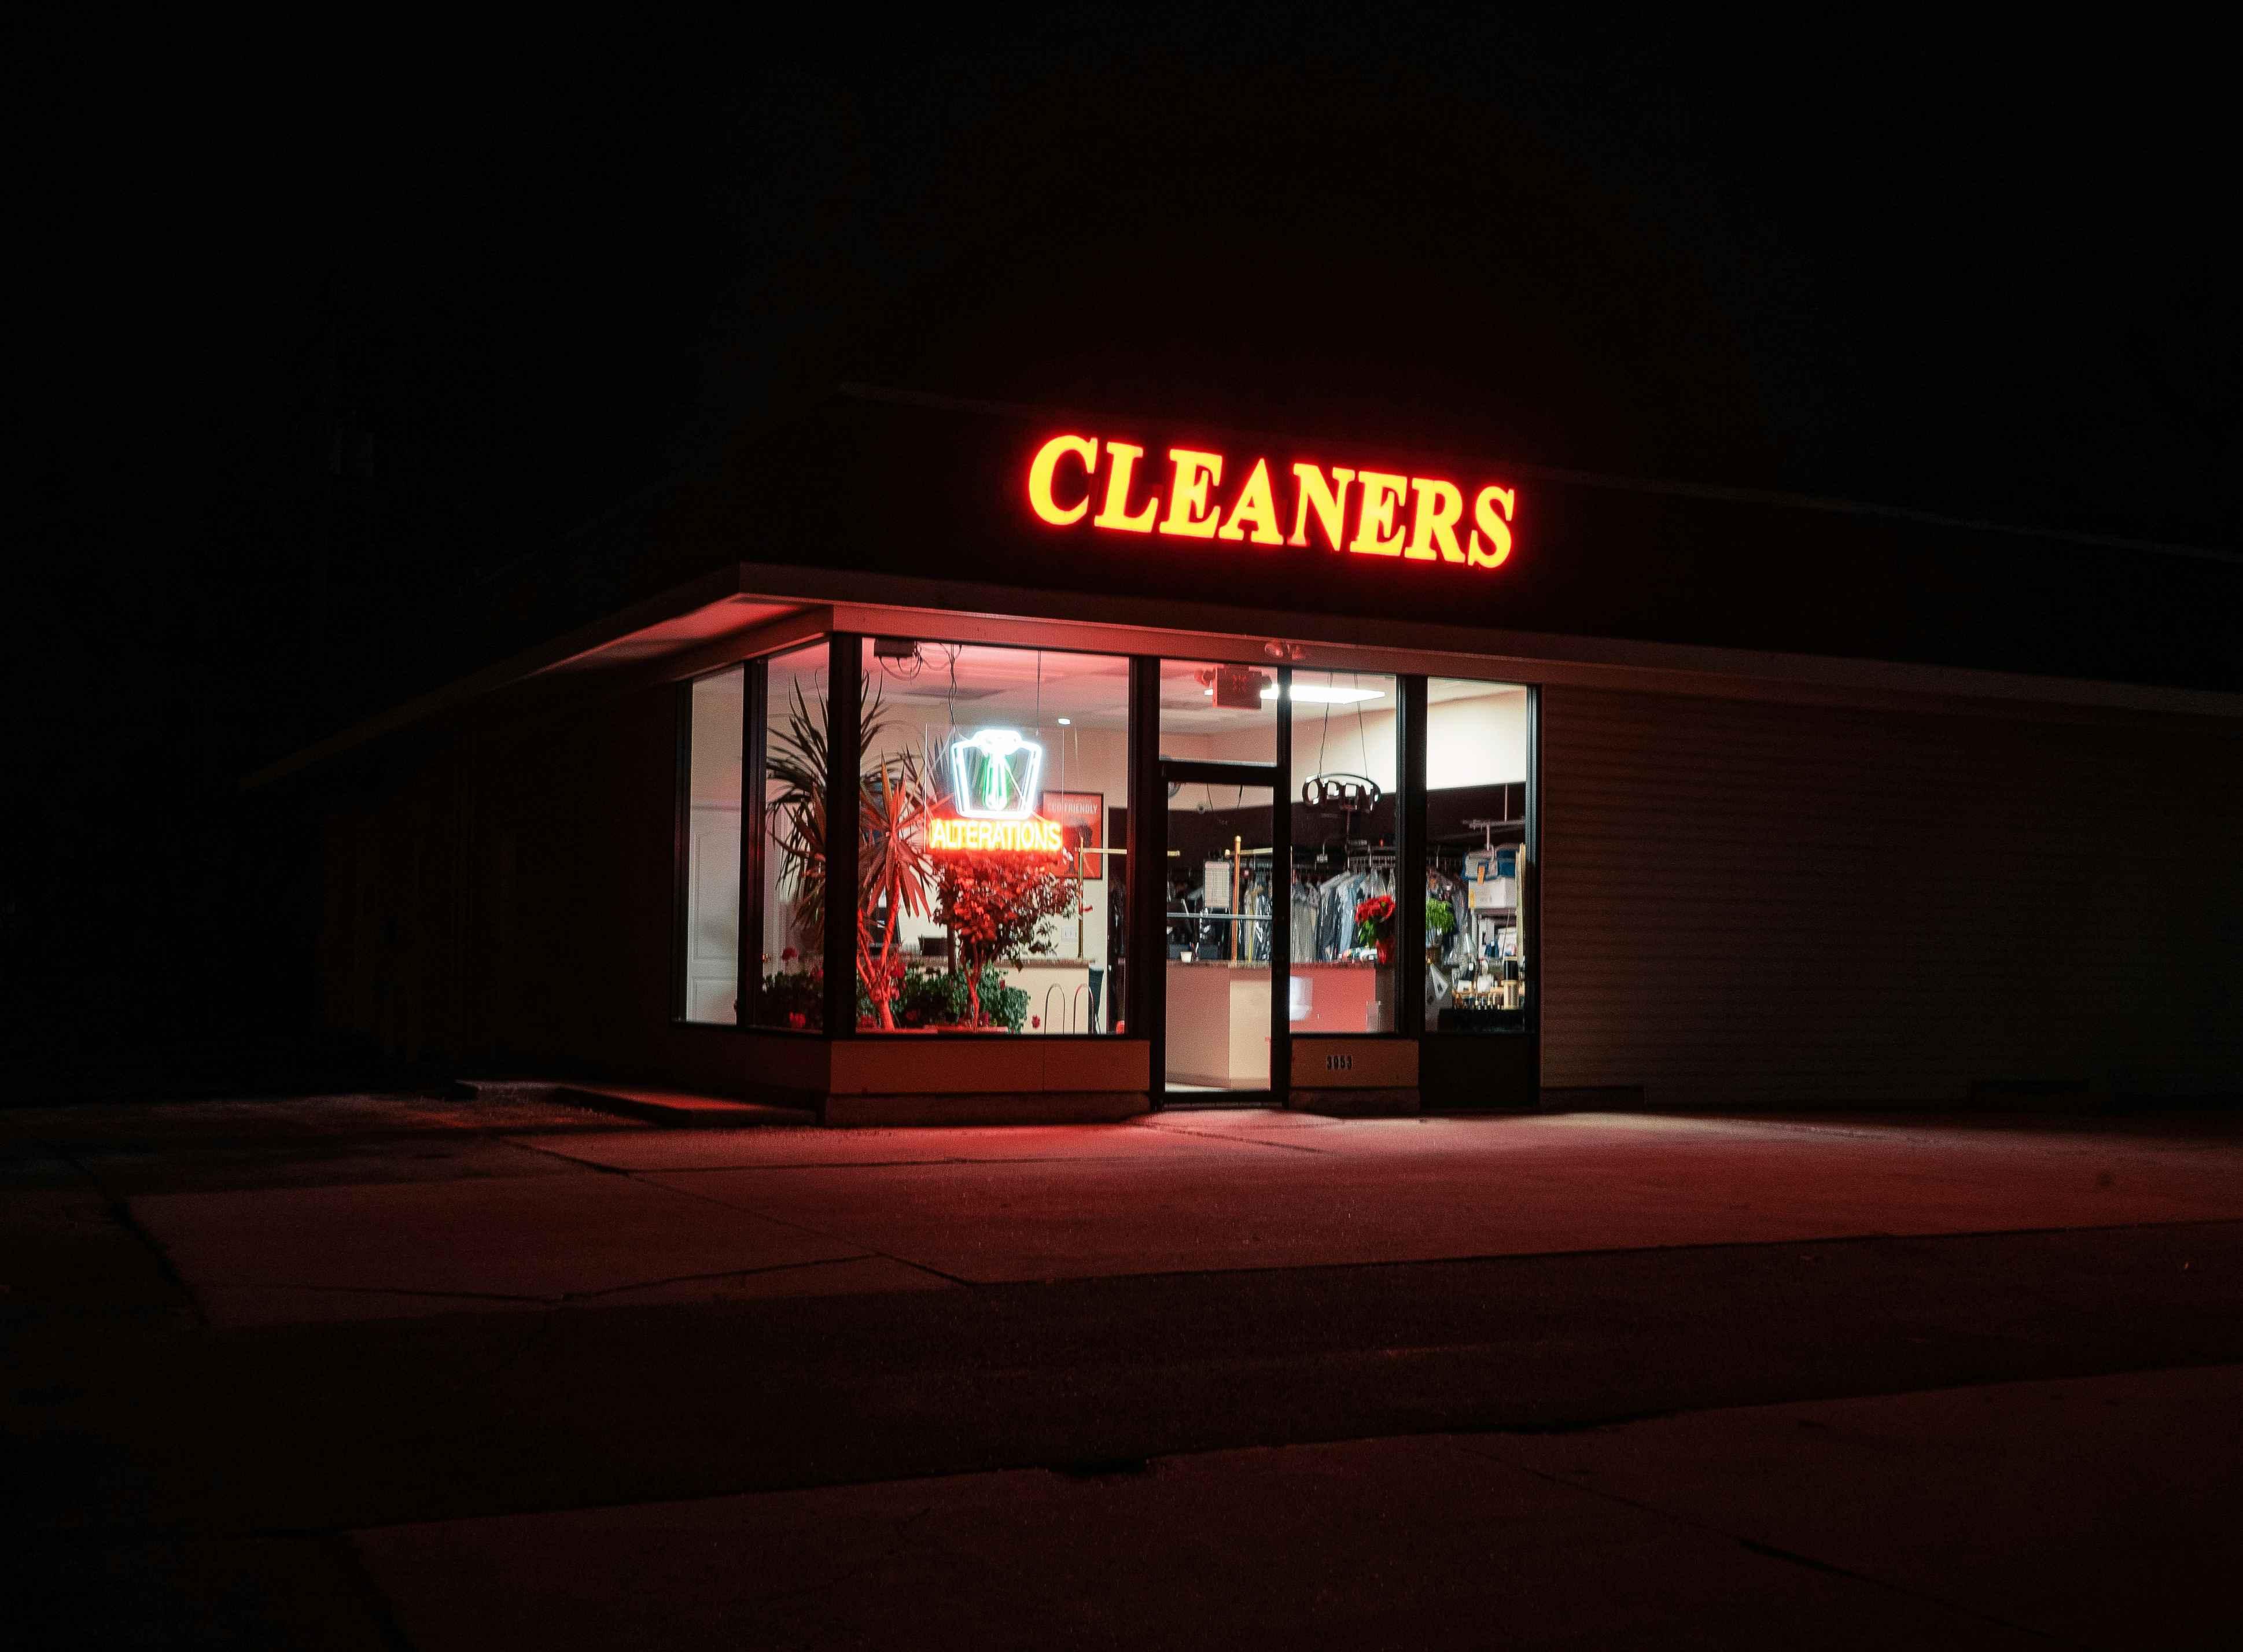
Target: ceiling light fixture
[{"x": 1314, "y": 694}]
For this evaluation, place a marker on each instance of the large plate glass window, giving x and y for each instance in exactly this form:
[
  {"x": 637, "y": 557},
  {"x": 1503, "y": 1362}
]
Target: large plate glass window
[
  {"x": 793, "y": 850},
  {"x": 710, "y": 872},
  {"x": 1476, "y": 939},
  {"x": 993, "y": 853},
  {"x": 1344, "y": 800},
  {"x": 1218, "y": 973},
  {"x": 1216, "y": 712}
]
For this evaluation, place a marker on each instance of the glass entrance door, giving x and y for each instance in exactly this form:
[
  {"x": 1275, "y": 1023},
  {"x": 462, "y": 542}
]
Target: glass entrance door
[{"x": 1220, "y": 970}]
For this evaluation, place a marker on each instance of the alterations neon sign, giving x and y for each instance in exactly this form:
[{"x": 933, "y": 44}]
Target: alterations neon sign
[
  {"x": 951, "y": 833},
  {"x": 992, "y": 789},
  {"x": 1419, "y": 519}
]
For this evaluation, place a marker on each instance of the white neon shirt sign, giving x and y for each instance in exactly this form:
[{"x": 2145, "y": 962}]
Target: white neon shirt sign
[{"x": 993, "y": 774}]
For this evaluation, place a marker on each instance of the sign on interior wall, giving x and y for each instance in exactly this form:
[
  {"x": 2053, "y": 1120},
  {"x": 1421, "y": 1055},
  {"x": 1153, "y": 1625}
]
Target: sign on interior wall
[
  {"x": 1082, "y": 814},
  {"x": 1111, "y": 487}
]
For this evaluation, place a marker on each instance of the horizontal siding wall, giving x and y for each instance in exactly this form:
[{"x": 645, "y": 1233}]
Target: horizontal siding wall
[
  {"x": 504, "y": 901},
  {"x": 1753, "y": 903}
]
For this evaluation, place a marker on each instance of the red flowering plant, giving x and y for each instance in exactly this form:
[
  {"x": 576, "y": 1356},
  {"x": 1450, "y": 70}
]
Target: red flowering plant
[
  {"x": 794, "y": 997},
  {"x": 1372, "y": 915},
  {"x": 995, "y": 903}
]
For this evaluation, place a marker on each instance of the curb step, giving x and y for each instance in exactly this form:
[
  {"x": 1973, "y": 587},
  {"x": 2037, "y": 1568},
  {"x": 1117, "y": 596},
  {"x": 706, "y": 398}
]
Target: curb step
[
  {"x": 499, "y": 1090},
  {"x": 677, "y": 1108}
]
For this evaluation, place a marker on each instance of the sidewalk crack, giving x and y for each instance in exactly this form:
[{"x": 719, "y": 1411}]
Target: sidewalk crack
[
  {"x": 1767, "y": 1551},
  {"x": 804, "y": 1227}
]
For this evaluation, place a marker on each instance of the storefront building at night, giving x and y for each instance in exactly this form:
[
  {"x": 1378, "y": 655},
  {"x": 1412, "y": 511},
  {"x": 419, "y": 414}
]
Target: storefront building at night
[{"x": 1193, "y": 765}]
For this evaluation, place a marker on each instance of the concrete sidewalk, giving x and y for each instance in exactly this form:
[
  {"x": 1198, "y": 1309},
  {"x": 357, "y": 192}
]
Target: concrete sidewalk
[
  {"x": 533, "y": 1220},
  {"x": 393, "y": 1371},
  {"x": 2093, "y": 1513}
]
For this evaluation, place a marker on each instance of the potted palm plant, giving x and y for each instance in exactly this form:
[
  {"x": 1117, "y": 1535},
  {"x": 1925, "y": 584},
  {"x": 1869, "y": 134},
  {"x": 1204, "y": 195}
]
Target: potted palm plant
[{"x": 894, "y": 872}]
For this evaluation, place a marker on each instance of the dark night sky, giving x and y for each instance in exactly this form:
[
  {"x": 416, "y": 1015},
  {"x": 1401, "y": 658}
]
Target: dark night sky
[
  {"x": 1983, "y": 275},
  {"x": 324, "y": 330}
]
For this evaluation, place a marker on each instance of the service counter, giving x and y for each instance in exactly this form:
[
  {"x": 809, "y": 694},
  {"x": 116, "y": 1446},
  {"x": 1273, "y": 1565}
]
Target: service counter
[
  {"x": 1219, "y": 1024},
  {"x": 1218, "y": 1033},
  {"x": 1341, "y": 997}
]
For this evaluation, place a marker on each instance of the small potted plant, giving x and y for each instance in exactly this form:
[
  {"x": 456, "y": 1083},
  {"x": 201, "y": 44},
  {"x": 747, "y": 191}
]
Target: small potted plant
[
  {"x": 796, "y": 998},
  {"x": 1440, "y": 924},
  {"x": 994, "y": 906},
  {"x": 1374, "y": 925}
]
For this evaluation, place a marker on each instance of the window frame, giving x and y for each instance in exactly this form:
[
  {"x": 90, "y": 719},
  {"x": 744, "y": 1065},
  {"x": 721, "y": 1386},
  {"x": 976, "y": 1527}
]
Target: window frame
[
  {"x": 754, "y": 730},
  {"x": 1530, "y": 893},
  {"x": 1409, "y": 937},
  {"x": 1142, "y": 924},
  {"x": 755, "y": 841},
  {"x": 1132, "y": 915},
  {"x": 681, "y": 939}
]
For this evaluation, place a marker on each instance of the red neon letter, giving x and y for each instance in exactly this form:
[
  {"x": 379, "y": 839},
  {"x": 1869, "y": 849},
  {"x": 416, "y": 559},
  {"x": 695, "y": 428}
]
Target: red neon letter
[
  {"x": 1375, "y": 534},
  {"x": 1440, "y": 506},
  {"x": 1040, "y": 477},
  {"x": 1331, "y": 503},
  {"x": 1195, "y": 473},
  {"x": 1115, "y": 513},
  {"x": 1256, "y": 506},
  {"x": 1498, "y": 528}
]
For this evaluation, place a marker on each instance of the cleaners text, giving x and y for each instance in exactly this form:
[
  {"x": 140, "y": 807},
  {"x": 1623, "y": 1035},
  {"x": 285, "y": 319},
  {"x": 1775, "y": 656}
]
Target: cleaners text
[{"x": 1370, "y": 513}]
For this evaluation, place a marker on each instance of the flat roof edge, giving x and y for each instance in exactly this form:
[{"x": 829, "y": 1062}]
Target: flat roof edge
[
  {"x": 1529, "y": 653},
  {"x": 1523, "y": 649},
  {"x": 716, "y": 586}
]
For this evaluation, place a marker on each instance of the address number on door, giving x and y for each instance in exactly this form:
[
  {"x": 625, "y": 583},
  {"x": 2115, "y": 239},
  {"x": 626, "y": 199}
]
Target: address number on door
[{"x": 1339, "y": 1063}]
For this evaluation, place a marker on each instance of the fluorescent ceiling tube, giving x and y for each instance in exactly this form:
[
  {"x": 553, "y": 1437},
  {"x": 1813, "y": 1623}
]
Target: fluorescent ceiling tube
[
  {"x": 1328, "y": 696},
  {"x": 1320, "y": 695}
]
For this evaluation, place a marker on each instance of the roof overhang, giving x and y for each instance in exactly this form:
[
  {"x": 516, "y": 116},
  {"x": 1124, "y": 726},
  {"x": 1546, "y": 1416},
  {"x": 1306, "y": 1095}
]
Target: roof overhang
[
  {"x": 749, "y": 609},
  {"x": 709, "y": 618}
]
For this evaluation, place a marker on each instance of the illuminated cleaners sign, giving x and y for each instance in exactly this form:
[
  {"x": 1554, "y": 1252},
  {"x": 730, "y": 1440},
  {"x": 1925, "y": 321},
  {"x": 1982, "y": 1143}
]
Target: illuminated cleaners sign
[{"x": 1365, "y": 512}]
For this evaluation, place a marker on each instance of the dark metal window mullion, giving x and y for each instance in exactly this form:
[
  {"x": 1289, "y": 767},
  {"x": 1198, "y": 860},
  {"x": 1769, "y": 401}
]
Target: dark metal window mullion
[
  {"x": 1146, "y": 866},
  {"x": 844, "y": 767},
  {"x": 680, "y": 846},
  {"x": 1200, "y": 771},
  {"x": 1530, "y": 882},
  {"x": 1409, "y": 864},
  {"x": 1281, "y": 900},
  {"x": 754, "y": 729}
]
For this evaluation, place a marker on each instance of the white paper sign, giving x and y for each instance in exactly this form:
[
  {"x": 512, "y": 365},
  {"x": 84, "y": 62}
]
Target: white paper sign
[{"x": 1218, "y": 886}]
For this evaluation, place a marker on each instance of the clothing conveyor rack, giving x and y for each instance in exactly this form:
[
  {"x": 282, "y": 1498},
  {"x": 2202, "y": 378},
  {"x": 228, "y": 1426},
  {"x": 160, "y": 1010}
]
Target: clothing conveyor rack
[{"x": 1323, "y": 923}]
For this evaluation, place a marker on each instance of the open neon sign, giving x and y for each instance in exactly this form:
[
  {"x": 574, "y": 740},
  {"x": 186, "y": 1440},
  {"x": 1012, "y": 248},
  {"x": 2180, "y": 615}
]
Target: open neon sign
[{"x": 1417, "y": 519}]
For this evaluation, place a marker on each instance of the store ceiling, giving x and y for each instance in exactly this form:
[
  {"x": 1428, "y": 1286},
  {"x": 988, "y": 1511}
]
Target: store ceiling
[{"x": 978, "y": 686}]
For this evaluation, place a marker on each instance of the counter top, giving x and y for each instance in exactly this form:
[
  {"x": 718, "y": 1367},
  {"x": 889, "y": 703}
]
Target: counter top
[{"x": 1296, "y": 968}]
